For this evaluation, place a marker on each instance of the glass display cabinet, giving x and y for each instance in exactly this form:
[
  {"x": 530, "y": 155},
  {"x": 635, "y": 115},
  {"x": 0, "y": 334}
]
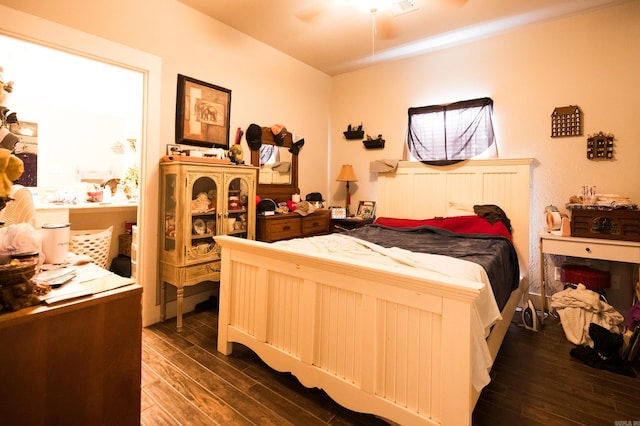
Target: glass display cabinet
[{"x": 200, "y": 201}]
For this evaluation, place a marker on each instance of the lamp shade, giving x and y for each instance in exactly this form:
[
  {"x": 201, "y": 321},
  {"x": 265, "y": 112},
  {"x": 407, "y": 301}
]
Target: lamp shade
[{"x": 347, "y": 174}]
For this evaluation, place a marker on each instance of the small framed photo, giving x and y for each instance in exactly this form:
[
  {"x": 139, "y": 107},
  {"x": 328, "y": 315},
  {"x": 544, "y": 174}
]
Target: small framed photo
[
  {"x": 173, "y": 149},
  {"x": 338, "y": 213},
  {"x": 366, "y": 209},
  {"x": 202, "y": 113}
]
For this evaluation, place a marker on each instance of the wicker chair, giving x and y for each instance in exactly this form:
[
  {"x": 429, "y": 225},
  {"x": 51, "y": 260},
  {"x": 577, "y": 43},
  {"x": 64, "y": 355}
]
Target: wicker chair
[{"x": 95, "y": 243}]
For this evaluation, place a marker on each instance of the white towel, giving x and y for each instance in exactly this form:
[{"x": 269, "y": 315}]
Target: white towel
[{"x": 578, "y": 308}]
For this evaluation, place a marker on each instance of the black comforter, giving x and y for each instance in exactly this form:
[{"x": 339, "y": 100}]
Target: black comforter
[{"x": 494, "y": 253}]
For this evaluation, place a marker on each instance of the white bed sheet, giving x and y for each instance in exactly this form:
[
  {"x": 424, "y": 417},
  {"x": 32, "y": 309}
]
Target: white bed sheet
[{"x": 485, "y": 308}]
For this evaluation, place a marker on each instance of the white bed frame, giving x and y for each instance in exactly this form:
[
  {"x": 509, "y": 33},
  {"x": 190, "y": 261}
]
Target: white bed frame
[{"x": 389, "y": 343}]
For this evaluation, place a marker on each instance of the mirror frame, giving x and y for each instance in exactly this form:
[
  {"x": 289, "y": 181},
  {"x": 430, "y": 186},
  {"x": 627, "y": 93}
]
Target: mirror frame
[{"x": 278, "y": 192}]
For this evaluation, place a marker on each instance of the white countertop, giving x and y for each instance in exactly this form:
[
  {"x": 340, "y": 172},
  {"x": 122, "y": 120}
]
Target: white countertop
[{"x": 112, "y": 205}]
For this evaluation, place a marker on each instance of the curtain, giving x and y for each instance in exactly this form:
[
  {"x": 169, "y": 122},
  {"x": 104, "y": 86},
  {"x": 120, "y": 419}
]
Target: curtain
[{"x": 449, "y": 133}]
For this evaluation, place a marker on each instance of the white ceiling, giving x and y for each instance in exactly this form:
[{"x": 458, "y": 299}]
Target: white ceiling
[{"x": 335, "y": 36}]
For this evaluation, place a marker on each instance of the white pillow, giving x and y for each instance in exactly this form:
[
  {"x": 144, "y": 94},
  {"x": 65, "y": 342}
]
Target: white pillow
[{"x": 459, "y": 209}]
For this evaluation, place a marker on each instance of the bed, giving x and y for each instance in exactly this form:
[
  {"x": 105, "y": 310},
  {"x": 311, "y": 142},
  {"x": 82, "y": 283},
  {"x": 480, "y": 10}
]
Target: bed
[{"x": 395, "y": 341}]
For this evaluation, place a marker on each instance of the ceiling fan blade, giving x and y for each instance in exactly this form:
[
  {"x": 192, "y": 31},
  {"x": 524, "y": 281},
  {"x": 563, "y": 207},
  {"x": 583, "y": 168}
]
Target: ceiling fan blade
[
  {"x": 385, "y": 28},
  {"x": 310, "y": 14},
  {"x": 458, "y": 3}
]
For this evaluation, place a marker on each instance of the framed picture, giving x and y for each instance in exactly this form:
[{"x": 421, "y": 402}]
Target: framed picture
[
  {"x": 366, "y": 209},
  {"x": 202, "y": 113},
  {"x": 338, "y": 213},
  {"x": 173, "y": 149}
]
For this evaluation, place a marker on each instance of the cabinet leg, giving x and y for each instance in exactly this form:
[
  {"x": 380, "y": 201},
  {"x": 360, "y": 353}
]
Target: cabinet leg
[
  {"x": 543, "y": 285},
  {"x": 180, "y": 296}
]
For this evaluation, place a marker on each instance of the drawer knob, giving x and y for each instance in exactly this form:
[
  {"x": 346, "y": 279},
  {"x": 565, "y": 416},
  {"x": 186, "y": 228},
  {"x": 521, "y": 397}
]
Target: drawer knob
[
  {"x": 286, "y": 228},
  {"x": 588, "y": 250}
]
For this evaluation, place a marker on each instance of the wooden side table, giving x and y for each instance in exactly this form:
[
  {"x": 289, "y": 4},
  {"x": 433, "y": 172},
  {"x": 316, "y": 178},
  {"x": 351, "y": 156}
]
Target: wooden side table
[{"x": 340, "y": 225}]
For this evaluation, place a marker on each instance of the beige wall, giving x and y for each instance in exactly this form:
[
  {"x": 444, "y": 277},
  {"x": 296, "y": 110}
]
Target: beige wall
[
  {"x": 590, "y": 60},
  {"x": 267, "y": 86}
]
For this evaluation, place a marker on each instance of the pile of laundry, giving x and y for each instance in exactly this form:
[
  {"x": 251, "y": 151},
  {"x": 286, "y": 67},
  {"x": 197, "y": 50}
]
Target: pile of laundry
[{"x": 594, "y": 326}]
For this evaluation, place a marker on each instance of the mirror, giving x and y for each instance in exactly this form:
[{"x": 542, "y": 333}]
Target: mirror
[
  {"x": 275, "y": 165},
  {"x": 277, "y": 168}
]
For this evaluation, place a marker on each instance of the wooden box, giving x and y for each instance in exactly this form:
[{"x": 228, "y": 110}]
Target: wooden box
[{"x": 620, "y": 224}]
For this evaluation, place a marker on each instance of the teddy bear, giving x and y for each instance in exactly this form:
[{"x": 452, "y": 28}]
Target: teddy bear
[
  {"x": 11, "y": 168},
  {"x": 236, "y": 154}
]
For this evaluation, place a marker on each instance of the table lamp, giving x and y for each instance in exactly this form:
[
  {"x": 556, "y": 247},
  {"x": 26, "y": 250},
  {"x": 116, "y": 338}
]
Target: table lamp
[{"x": 347, "y": 175}]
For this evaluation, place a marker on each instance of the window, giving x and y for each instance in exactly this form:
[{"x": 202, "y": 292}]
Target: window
[{"x": 446, "y": 134}]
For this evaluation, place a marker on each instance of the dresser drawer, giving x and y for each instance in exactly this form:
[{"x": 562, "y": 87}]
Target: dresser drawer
[
  {"x": 209, "y": 271},
  {"x": 191, "y": 275},
  {"x": 315, "y": 224},
  {"x": 592, "y": 250},
  {"x": 281, "y": 229}
]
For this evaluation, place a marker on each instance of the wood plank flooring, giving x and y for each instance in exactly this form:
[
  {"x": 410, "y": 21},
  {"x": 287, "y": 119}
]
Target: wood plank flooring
[{"x": 185, "y": 381}]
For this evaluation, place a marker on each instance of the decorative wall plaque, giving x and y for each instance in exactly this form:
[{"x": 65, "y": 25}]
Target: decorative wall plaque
[
  {"x": 600, "y": 146},
  {"x": 566, "y": 121}
]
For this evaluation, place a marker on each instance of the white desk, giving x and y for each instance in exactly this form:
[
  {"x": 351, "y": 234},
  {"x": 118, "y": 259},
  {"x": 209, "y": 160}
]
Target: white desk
[{"x": 588, "y": 248}]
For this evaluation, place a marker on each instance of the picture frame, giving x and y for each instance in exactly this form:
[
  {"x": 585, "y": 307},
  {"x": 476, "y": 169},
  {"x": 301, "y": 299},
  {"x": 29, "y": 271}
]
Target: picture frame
[
  {"x": 338, "y": 213},
  {"x": 366, "y": 209},
  {"x": 173, "y": 149},
  {"x": 203, "y": 112}
]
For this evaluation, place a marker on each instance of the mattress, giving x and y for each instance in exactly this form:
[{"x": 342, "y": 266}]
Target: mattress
[
  {"x": 354, "y": 246},
  {"x": 495, "y": 253}
]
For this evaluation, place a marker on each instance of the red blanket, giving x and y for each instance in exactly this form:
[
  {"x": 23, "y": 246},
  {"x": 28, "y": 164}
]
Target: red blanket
[{"x": 472, "y": 224}]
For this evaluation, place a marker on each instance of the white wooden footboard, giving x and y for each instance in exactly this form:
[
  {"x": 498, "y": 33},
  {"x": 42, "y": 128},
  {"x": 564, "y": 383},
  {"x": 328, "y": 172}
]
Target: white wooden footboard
[{"x": 377, "y": 340}]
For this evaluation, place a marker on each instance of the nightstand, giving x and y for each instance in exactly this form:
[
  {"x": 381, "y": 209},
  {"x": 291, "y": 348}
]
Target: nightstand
[
  {"x": 292, "y": 225},
  {"x": 340, "y": 225},
  {"x": 589, "y": 248}
]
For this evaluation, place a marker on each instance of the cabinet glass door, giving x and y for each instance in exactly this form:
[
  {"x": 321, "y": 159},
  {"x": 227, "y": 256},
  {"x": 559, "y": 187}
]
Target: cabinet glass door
[
  {"x": 236, "y": 217},
  {"x": 203, "y": 210},
  {"x": 170, "y": 213}
]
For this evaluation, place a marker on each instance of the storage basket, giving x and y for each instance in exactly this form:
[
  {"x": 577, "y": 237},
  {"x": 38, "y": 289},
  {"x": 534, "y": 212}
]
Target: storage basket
[
  {"x": 16, "y": 274},
  {"x": 593, "y": 279}
]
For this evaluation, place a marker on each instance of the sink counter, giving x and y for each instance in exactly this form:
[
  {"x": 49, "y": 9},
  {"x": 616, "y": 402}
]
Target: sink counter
[
  {"x": 87, "y": 206},
  {"x": 90, "y": 216}
]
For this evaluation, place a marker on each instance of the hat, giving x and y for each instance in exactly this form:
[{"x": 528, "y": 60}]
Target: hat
[
  {"x": 279, "y": 132},
  {"x": 304, "y": 208},
  {"x": 295, "y": 148},
  {"x": 314, "y": 196},
  {"x": 254, "y": 137},
  {"x": 266, "y": 205}
]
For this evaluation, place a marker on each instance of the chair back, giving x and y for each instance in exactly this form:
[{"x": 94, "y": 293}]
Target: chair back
[
  {"x": 21, "y": 209},
  {"x": 95, "y": 243}
]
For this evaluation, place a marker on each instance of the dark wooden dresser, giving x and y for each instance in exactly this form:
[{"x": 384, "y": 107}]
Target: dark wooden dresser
[
  {"x": 74, "y": 363},
  {"x": 292, "y": 225}
]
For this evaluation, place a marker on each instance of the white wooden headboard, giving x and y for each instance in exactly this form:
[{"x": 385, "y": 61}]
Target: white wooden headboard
[{"x": 419, "y": 191}]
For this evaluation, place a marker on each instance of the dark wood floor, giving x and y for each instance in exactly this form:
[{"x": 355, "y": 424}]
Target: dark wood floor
[{"x": 185, "y": 381}]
